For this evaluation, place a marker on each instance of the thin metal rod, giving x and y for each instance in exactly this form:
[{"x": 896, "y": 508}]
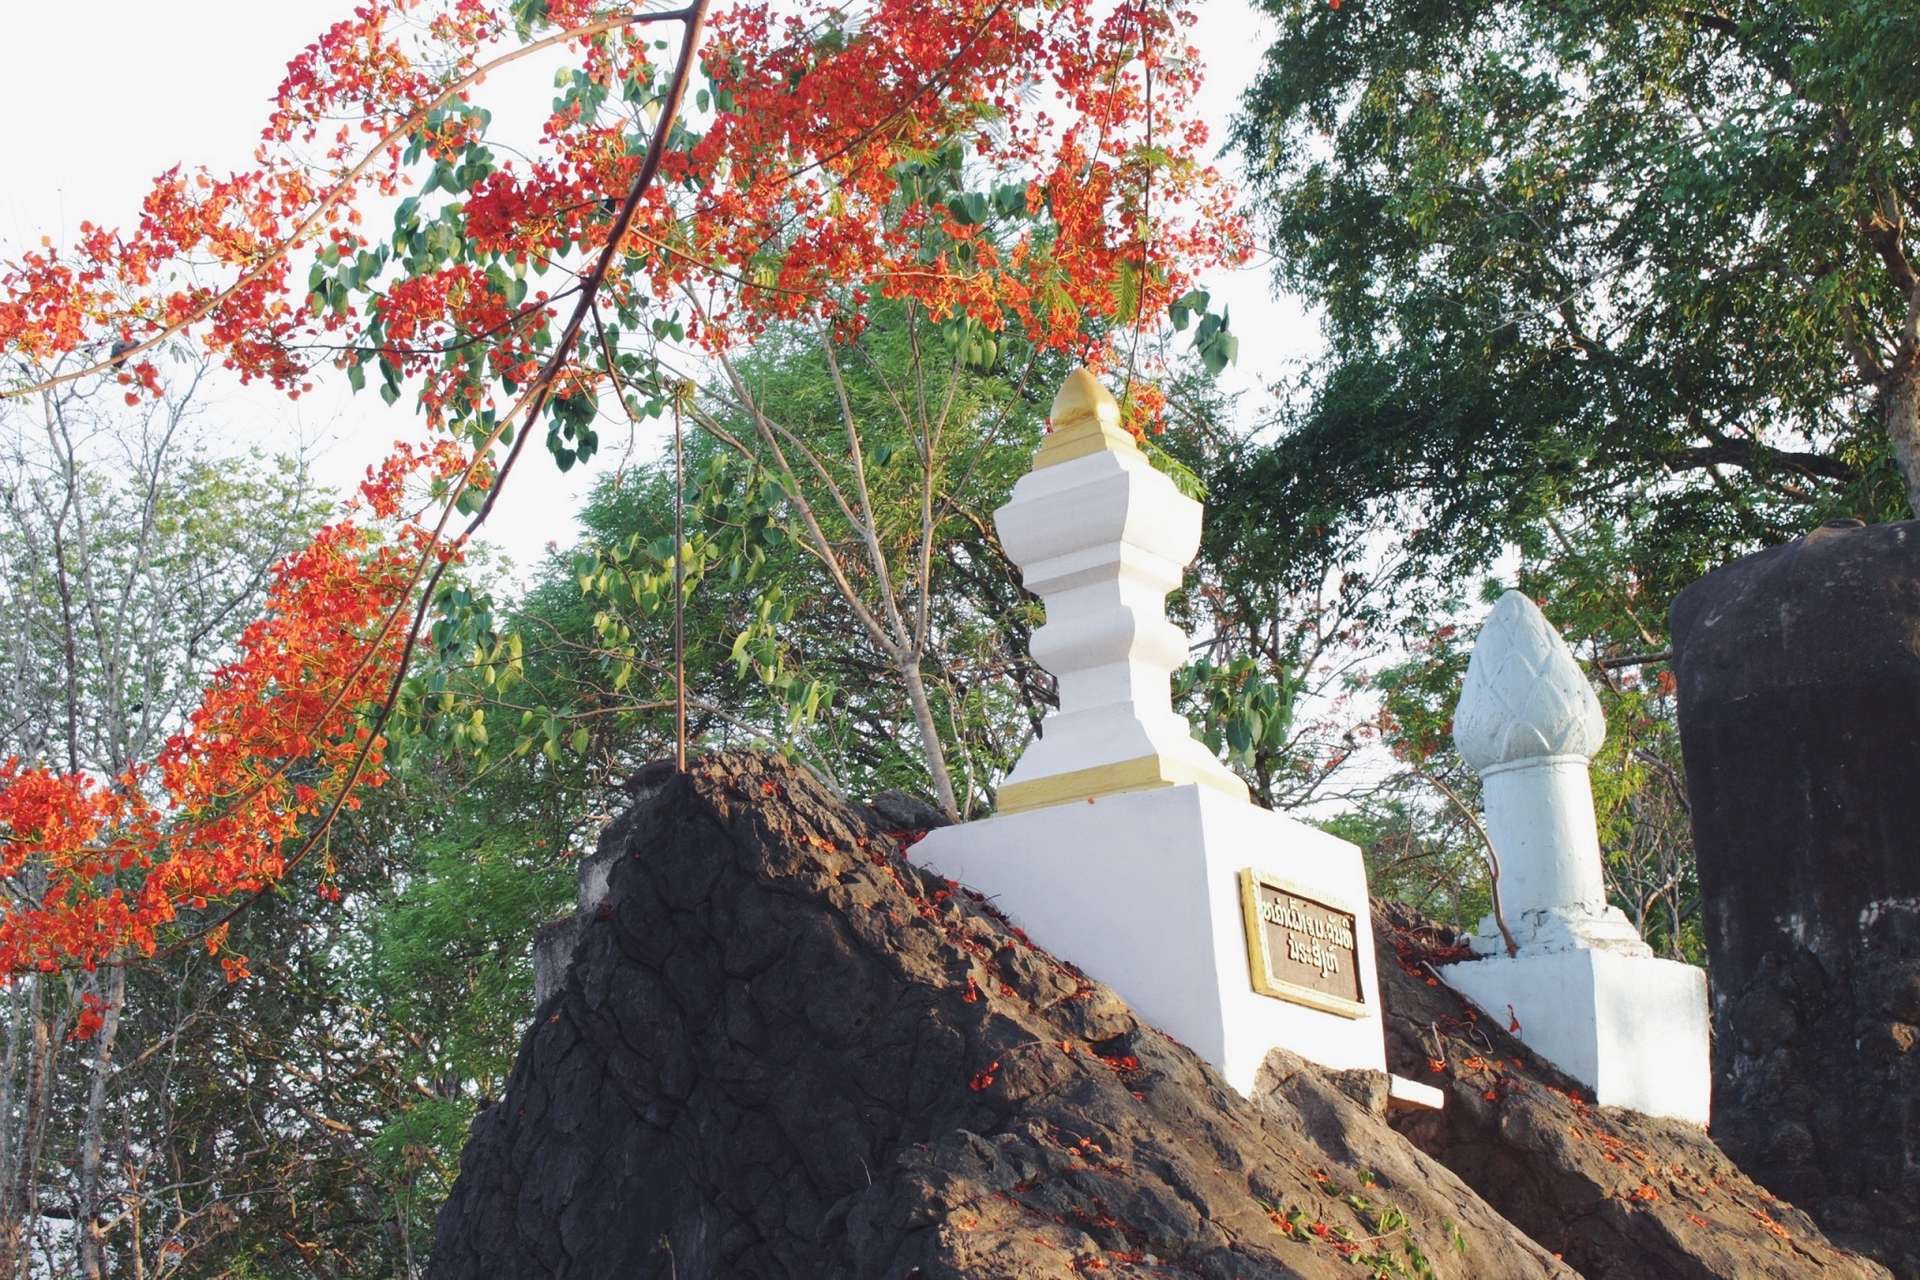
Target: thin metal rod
[{"x": 679, "y": 599}]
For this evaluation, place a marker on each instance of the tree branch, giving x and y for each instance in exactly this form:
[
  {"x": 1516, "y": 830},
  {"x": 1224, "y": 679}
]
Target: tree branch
[
  {"x": 1753, "y": 456},
  {"x": 346, "y": 184}
]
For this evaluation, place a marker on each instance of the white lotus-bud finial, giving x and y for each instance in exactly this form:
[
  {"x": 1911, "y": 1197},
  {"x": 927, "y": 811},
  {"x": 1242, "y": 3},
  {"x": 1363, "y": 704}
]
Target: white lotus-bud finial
[
  {"x": 1524, "y": 697},
  {"x": 1581, "y": 986}
]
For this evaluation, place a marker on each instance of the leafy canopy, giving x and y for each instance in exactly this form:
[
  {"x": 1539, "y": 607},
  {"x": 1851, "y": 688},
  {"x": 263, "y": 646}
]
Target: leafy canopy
[{"x": 1642, "y": 263}]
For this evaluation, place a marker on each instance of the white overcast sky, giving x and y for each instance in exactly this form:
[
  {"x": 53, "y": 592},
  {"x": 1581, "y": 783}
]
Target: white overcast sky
[{"x": 97, "y": 101}]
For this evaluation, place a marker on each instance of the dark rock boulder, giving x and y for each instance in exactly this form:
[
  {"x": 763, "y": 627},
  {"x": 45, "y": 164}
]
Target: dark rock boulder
[
  {"x": 780, "y": 1050},
  {"x": 1620, "y": 1195},
  {"x": 899, "y": 811},
  {"x": 1799, "y": 690}
]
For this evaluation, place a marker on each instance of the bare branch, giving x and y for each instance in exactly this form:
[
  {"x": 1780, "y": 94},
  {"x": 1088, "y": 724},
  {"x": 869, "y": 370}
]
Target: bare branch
[{"x": 1493, "y": 855}]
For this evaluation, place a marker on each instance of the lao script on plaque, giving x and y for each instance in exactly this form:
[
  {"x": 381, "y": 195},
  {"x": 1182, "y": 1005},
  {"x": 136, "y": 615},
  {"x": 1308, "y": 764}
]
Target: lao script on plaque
[{"x": 1300, "y": 948}]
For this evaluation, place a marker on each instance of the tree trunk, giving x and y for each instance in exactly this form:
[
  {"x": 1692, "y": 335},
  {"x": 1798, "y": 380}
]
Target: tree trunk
[
  {"x": 10, "y": 1216},
  {"x": 92, "y": 1241},
  {"x": 929, "y": 734},
  {"x": 1901, "y": 413},
  {"x": 35, "y": 1106}
]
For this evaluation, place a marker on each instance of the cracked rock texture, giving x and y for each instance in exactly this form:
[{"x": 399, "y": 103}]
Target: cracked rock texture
[
  {"x": 1619, "y": 1195},
  {"x": 1799, "y": 696},
  {"x": 781, "y": 1050}
]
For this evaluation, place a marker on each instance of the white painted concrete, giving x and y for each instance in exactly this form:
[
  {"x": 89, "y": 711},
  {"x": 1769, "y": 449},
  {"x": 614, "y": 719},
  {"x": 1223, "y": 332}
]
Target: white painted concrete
[
  {"x": 1588, "y": 993},
  {"x": 1631, "y": 1028},
  {"x": 1102, "y": 539},
  {"x": 1141, "y": 890},
  {"x": 1410, "y": 1095},
  {"x": 1528, "y": 722},
  {"x": 1124, "y": 851}
]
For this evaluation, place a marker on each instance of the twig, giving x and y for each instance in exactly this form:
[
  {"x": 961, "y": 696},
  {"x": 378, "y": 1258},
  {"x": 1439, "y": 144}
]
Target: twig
[
  {"x": 679, "y": 594},
  {"x": 1493, "y": 856},
  {"x": 1634, "y": 660}
]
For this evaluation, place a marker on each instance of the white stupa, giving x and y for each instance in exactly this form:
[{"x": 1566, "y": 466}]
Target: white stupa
[
  {"x": 1529, "y": 725},
  {"x": 1121, "y": 843},
  {"x": 1586, "y": 992},
  {"x": 1101, "y": 537}
]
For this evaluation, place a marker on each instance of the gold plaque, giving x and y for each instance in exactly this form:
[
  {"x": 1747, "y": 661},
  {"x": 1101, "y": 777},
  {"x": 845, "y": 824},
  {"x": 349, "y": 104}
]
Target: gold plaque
[{"x": 1301, "y": 948}]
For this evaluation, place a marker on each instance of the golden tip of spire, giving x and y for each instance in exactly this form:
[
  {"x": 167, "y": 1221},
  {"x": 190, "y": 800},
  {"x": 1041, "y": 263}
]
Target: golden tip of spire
[
  {"x": 1082, "y": 398},
  {"x": 1085, "y": 419}
]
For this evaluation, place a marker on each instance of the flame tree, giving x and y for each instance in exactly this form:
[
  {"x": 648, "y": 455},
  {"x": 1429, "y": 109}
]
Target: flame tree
[{"x": 1004, "y": 172}]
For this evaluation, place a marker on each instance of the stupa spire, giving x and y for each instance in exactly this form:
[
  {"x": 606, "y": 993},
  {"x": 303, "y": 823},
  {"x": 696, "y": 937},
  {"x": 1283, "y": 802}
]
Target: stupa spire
[{"x": 1102, "y": 542}]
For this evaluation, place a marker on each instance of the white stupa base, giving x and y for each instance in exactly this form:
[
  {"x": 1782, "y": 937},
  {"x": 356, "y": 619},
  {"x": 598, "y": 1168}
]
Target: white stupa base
[
  {"x": 1142, "y": 891},
  {"x": 1631, "y": 1028},
  {"x": 1593, "y": 926}
]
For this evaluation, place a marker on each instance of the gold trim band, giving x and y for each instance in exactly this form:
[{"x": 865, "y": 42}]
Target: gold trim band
[
  {"x": 1081, "y": 440},
  {"x": 1143, "y": 773}
]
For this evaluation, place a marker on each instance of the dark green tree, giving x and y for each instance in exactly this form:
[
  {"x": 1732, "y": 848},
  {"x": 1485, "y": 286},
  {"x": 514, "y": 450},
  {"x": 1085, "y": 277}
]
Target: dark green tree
[
  {"x": 1635, "y": 264},
  {"x": 1613, "y": 292}
]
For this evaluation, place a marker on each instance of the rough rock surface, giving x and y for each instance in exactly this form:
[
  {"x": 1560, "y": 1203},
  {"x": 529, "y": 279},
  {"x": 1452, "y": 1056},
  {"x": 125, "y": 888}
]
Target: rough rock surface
[
  {"x": 1799, "y": 692},
  {"x": 783, "y": 1051},
  {"x": 1620, "y": 1195}
]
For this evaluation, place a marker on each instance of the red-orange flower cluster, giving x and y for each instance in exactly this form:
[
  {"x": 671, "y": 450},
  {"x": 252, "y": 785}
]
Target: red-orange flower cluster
[
  {"x": 1030, "y": 167},
  {"x": 280, "y": 736}
]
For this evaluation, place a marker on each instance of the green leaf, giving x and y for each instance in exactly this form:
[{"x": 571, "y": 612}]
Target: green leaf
[
  {"x": 1185, "y": 306},
  {"x": 969, "y": 209},
  {"x": 1126, "y": 293}
]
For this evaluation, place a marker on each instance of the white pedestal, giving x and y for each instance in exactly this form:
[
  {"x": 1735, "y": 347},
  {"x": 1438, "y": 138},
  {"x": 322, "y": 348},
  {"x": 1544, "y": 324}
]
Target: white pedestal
[
  {"x": 1142, "y": 891},
  {"x": 1631, "y": 1028}
]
